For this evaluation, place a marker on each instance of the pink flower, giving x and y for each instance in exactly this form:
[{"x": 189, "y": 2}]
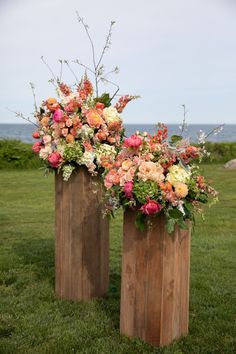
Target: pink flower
[
  {"x": 37, "y": 147},
  {"x": 151, "y": 207},
  {"x": 133, "y": 141},
  {"x": 54, "y": 159},
  {"x": 128, "y": 189},
  {"x": 58, "y": 115}
]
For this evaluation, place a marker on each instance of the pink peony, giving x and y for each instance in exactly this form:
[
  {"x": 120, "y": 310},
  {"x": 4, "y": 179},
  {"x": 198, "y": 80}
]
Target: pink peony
[
  {"x": 128, "y": 189},
  {"x": 37, "y": 147},
  {"x": 133, "y": 141},
  {"x": 54, "y": 159},
  {"x": 151, "y": 207},
  {"x": 58, "y": 115}
]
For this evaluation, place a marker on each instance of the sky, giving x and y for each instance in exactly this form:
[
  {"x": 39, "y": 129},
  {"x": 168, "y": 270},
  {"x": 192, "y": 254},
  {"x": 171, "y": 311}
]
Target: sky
[{"x": 170, "y": 52}]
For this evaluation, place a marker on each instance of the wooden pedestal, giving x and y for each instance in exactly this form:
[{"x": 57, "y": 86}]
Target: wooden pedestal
[
  {"x": 82, "y": 238},
  {"x": 155, "y": 282}
]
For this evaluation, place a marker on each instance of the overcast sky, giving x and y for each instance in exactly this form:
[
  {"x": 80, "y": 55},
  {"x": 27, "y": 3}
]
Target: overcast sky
[{"x": 169, "y": 52}]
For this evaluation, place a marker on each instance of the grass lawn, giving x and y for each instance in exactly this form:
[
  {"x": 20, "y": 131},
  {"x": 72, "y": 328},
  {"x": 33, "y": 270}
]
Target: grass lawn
[{"x": 32, "y": 320}]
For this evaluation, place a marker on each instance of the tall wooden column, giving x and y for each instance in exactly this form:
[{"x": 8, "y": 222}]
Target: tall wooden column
[
  {"x": 155, "y": 282},
  {"x": 82, "y": 237}
]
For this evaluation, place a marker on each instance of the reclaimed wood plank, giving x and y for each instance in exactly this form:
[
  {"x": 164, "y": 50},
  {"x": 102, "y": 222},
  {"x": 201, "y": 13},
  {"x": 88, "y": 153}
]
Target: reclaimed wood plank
[
  {"x": 155, "y": 282},
  {"x": 82, "y": 238}
]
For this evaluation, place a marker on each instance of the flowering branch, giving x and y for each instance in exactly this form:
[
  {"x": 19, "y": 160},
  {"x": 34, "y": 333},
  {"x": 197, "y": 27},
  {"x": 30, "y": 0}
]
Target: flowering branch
[{"x": 183, "y": 126}]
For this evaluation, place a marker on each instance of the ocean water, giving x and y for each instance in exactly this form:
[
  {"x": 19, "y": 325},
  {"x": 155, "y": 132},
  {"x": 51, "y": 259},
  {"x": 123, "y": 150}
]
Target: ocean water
[{"x": 24, "y": 132}]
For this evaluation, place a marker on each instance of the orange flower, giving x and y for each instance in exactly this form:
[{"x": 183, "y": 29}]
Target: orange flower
[
  {"x": 94, "y": 119},
  {"x": 166, "y": 187},
  {"x": 70, "y": 138},
  {"x": 101, "y": 135},
  {"x": 44, "y": 121},
  {"x": 114, "y": 126},
  {"x": 52, "y": 104}
]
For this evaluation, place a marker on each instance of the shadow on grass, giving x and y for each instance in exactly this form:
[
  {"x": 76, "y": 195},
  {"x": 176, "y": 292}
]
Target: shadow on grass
[{"x": 40, "y": 255}]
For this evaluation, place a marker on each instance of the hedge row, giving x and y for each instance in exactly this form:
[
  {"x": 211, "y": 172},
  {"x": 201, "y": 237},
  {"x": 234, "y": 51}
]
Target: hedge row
[{"x": 16, "y": 154}]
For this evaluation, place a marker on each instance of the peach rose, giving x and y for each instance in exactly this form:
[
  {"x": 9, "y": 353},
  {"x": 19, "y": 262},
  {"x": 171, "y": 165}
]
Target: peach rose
[
  {"x": 149, "y": 170},
  {"x": 94, "y": 119}
]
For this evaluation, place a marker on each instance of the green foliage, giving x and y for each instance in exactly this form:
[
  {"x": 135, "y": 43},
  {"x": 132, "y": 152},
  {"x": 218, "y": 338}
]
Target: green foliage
[
  {"x": 140, "y": 221},
  {"x": 105, "y": 99},
  {"x": 15, "y": 154},
  {"x": 73, "y": 151},
  {"x": 142, "y": 190},
  {"x": 220, "y": 152},
  {"x": 33, "y": 320}
]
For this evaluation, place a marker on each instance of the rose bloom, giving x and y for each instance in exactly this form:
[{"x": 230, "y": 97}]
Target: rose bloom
[
  {"x": 112, "y": 178},
  {"x": 54, "y": 159},
  {"x": 70, "y": 138},
  {"x": 69, "y": 122},
  {"x": 133, "y": 141},
  {"x": 44, "y": 121},
  {"x": 36, "y": 135},
  {"x": 151, "y": 207},
  {"x": 149, "y": 170},
  {"x": 126, "y": 164},
  {"x": 128, "y": 189},
  {"x": 52, "y": 104},
  {"x": 94, "y": 119},
  {"x": 181, "y": 189},
  {"x": 58, "y": 115},
  {"x": 45, "y": 152},
  {"x": 47, "y": 139},
  {"x": 36, "y": 147},
  {"x": 64, "y": 132}
]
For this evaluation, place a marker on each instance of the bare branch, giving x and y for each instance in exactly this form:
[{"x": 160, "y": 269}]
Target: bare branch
[
  {"x": 20, "y": 115},
  {"x": 61, "y": 69},
  {"x": 53, "y": 75},
  {"x": 183, "y": 126},
  {"x": 84, "y": 66},
  {"x": 86, "y": 27},
  {"x": 33, "y": 91},
  {"x": 71, "y": 70},
  {"x": 107, "y": 43},
  {"x": 112, "y": 83}
]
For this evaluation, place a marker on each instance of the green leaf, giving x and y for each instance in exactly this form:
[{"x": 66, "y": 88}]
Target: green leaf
[
  {"x": 170, "y": 225},
  {"x": 189, "y": 206},
  {"x": 182, "y": 224},
  {"x": 175, "y": 213},
  {"x": 105, "y": 99},
  {"x": 140, "y": 222},
  {"x": 175, "y": 138}
]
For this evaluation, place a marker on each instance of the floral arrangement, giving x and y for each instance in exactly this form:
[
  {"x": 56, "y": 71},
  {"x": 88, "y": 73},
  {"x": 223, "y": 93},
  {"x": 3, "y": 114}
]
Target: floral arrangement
[
  {"x": 80, "y": 126},
  {"x": 79, "y": 129},
  {"x": 154, "y": 175}
]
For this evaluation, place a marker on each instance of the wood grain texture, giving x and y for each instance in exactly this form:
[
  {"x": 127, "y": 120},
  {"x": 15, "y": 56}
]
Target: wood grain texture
[
  {"x": 81, "y": 238},
  {"x": 155, "y": 282}
]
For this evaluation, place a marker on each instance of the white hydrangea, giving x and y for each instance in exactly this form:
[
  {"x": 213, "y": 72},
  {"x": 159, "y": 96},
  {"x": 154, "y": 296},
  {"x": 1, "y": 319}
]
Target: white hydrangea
[
  {"x": 87, "y": 159},
  {"x": 177, "y": 174},
  {"x": 86, "y": 132},
  {"x": 67, "y": 171},
  {"x": 111, "y": 115},
  {"x": 105, "y": 150}
]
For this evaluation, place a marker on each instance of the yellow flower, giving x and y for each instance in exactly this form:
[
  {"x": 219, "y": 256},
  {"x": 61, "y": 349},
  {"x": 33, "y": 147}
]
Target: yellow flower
[{"x": 181, "y": 189}]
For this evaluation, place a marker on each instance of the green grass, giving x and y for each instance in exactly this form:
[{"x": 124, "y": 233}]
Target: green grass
[{"x": 32, "y": 320}]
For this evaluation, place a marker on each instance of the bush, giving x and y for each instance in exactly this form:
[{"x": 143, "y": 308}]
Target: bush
[
  {"x": 16, "y": 154},
  {"x": 220, "y": 152}
]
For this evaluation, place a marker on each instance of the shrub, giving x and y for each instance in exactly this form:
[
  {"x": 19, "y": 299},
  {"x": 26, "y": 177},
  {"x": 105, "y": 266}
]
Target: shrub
[{"x": 16, "y": 154}]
